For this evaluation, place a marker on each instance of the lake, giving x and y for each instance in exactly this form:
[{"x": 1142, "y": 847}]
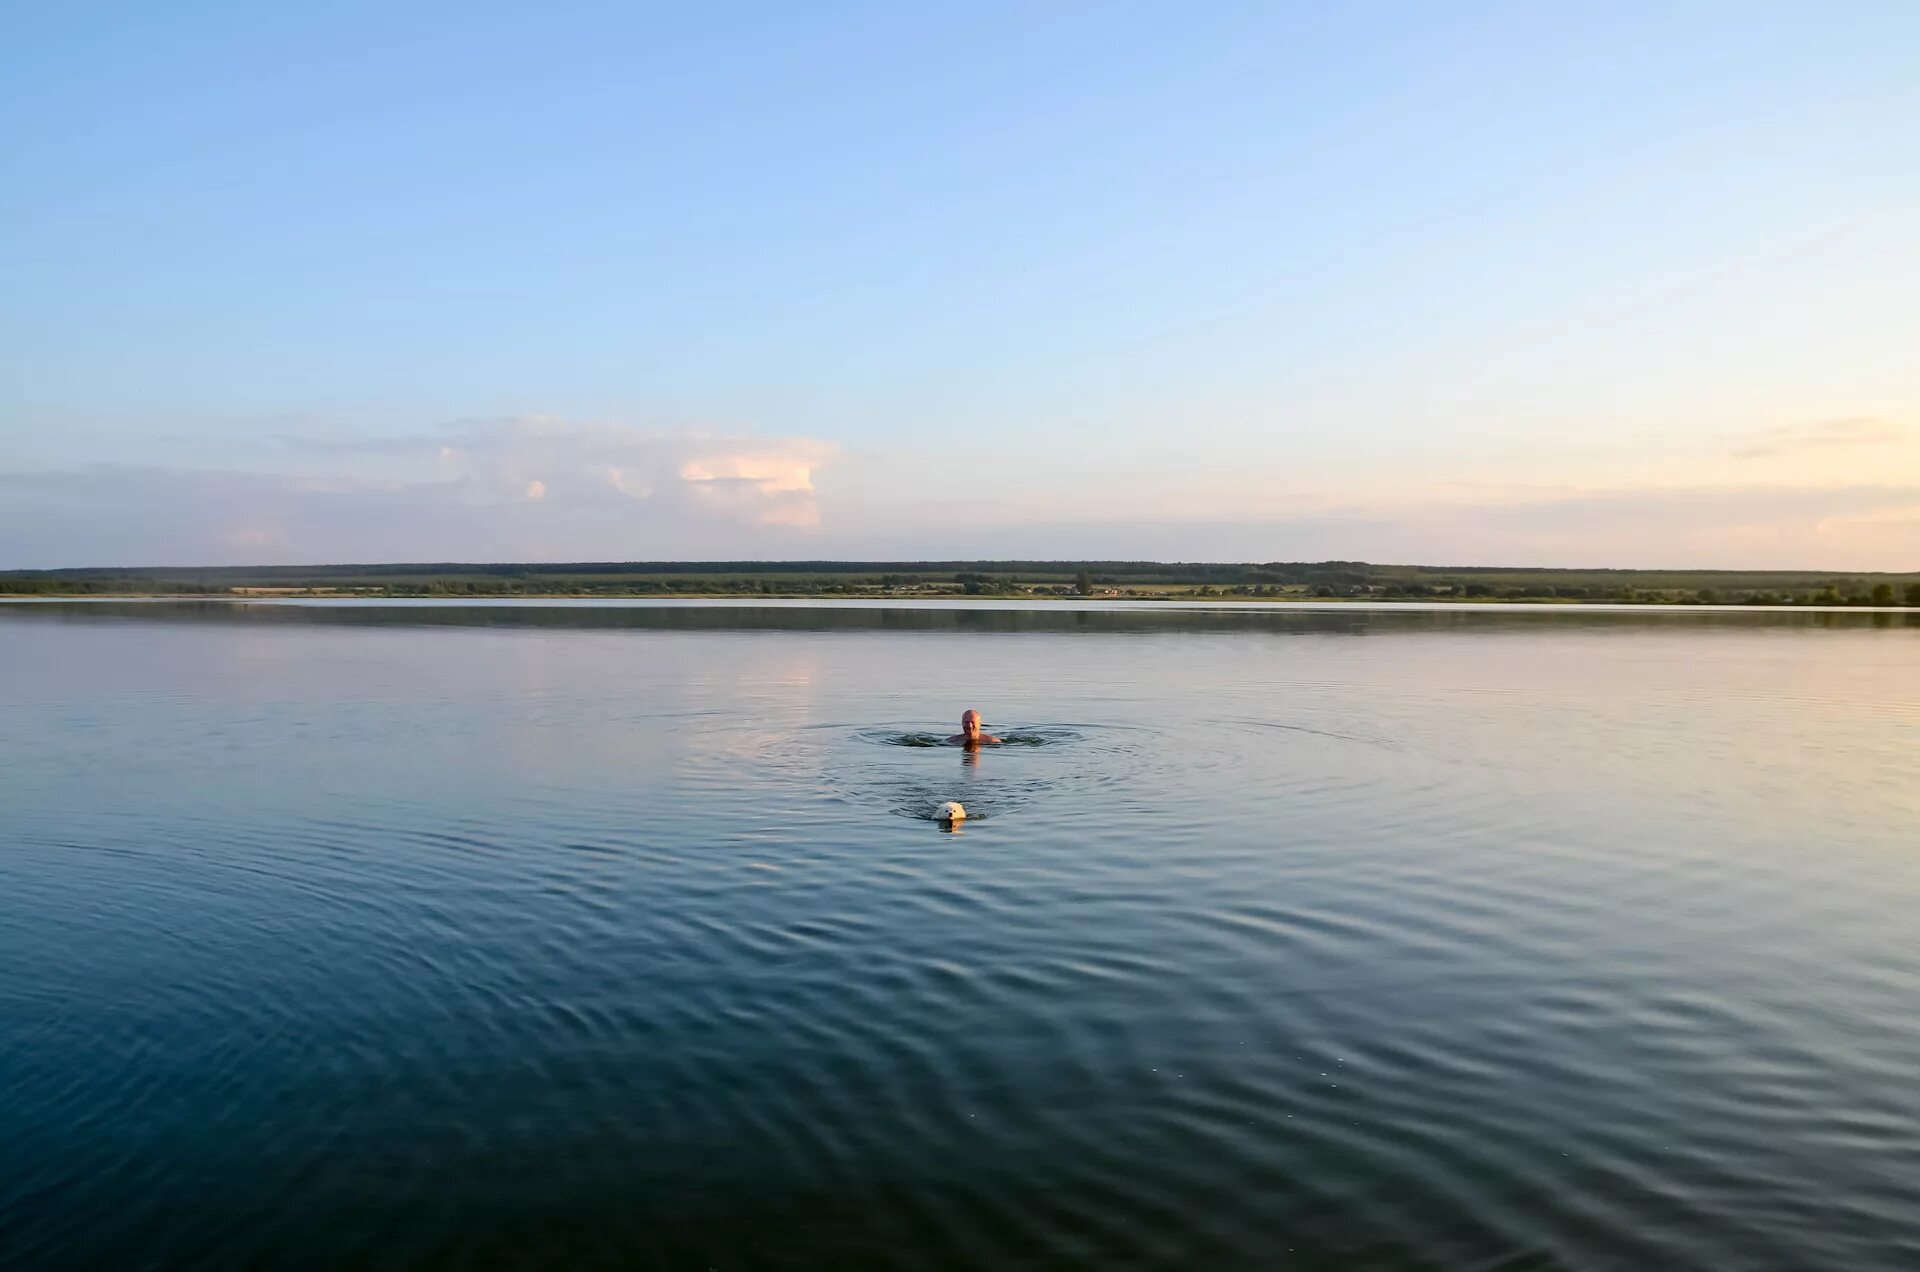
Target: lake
[{"x": 547, "y": 934}]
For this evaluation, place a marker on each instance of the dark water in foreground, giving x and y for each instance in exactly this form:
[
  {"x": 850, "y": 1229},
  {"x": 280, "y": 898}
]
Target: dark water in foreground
[{"x": 496, "y": 936}]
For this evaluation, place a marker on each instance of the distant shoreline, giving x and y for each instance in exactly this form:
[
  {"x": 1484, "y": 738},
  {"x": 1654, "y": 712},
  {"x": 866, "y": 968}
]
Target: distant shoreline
[
  {"x": 271, "y": 597},
  {"x": 1154, "y": 581}
]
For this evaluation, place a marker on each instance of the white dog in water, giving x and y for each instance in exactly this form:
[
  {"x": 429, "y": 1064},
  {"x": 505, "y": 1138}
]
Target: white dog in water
[{"x": 950, "y": 814}]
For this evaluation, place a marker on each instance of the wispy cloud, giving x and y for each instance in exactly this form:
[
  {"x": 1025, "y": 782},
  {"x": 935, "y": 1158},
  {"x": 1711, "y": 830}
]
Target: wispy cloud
[
  {"x": 513, "y": 489},
  {"x": 1859, "y": 430},
  {"x": 1837, "y": 528},
  {"x": 728, "y": 477},
  {"x": 542, "y": 489}
]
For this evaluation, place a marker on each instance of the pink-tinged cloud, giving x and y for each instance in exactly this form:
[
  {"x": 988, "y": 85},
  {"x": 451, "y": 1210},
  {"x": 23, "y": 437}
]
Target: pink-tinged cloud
[
  {"x": 700, "y": 476},
  {"x": 507, "y": 489},
  {"x": 542, "y": 489},
  {"x": 1853, "y": 431}
]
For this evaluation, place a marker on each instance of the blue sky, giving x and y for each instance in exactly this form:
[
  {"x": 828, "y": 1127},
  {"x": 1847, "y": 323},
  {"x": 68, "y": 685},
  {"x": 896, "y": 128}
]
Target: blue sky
[{"x": 1617, "y": 284}]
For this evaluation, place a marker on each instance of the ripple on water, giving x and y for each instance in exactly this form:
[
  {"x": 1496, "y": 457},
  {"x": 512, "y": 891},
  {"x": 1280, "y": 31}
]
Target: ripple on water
[
  {"x": 1037, "y": 735},
  {"x": 1315, "y": 967},
  {"x": 911, "y": 772}
]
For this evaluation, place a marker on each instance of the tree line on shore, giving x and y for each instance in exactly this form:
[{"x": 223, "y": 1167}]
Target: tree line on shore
[{"x": 1273, "y": 580}]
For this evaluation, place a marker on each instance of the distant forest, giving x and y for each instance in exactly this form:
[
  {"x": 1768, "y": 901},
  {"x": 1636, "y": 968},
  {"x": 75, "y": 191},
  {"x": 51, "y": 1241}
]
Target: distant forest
[{"x": 1274, "y": 580}]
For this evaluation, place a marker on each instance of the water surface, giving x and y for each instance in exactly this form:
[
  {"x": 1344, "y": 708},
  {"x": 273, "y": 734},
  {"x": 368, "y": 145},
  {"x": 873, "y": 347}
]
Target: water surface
[{"x": 588, "y": 934}]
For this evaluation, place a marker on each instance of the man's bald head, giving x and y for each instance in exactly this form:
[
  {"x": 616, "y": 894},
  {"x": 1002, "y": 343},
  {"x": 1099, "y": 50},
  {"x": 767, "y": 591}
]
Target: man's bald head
[{"x": 970, "y": 734}]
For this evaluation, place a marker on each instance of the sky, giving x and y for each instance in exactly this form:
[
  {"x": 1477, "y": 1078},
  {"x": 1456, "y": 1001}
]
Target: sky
[{"x": 1587, "y": 285}]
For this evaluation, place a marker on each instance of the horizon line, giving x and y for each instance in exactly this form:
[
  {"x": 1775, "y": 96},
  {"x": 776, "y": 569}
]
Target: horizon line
[{"x": 799, "y": 564}]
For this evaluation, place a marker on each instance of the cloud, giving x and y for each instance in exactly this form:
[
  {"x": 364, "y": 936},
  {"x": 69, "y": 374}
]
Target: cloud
[
  {"x": 1803, "y": 527},
  {"x": 1861, "y": 430},
  {"x": 539, "y": 489},
  {"x": 512, "y": 489},
  {"x": 757, "y": 480},
  {"x": 1839, "y": 528}
]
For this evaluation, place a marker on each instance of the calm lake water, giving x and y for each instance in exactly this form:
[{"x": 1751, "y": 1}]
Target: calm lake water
[{"x": 341, "y": 935}]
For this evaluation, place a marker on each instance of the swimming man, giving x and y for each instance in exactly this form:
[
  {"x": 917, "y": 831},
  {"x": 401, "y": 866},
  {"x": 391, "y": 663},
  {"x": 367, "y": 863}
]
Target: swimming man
[{"x": 970, "y": 735}]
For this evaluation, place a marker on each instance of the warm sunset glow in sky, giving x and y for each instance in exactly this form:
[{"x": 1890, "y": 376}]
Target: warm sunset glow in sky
[{"x": 1633, "y": 284}]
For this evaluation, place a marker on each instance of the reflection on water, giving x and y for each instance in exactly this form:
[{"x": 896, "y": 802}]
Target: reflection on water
[
  {"x": 550, "y": 935},
  {"x": 984, "y": 617}
]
